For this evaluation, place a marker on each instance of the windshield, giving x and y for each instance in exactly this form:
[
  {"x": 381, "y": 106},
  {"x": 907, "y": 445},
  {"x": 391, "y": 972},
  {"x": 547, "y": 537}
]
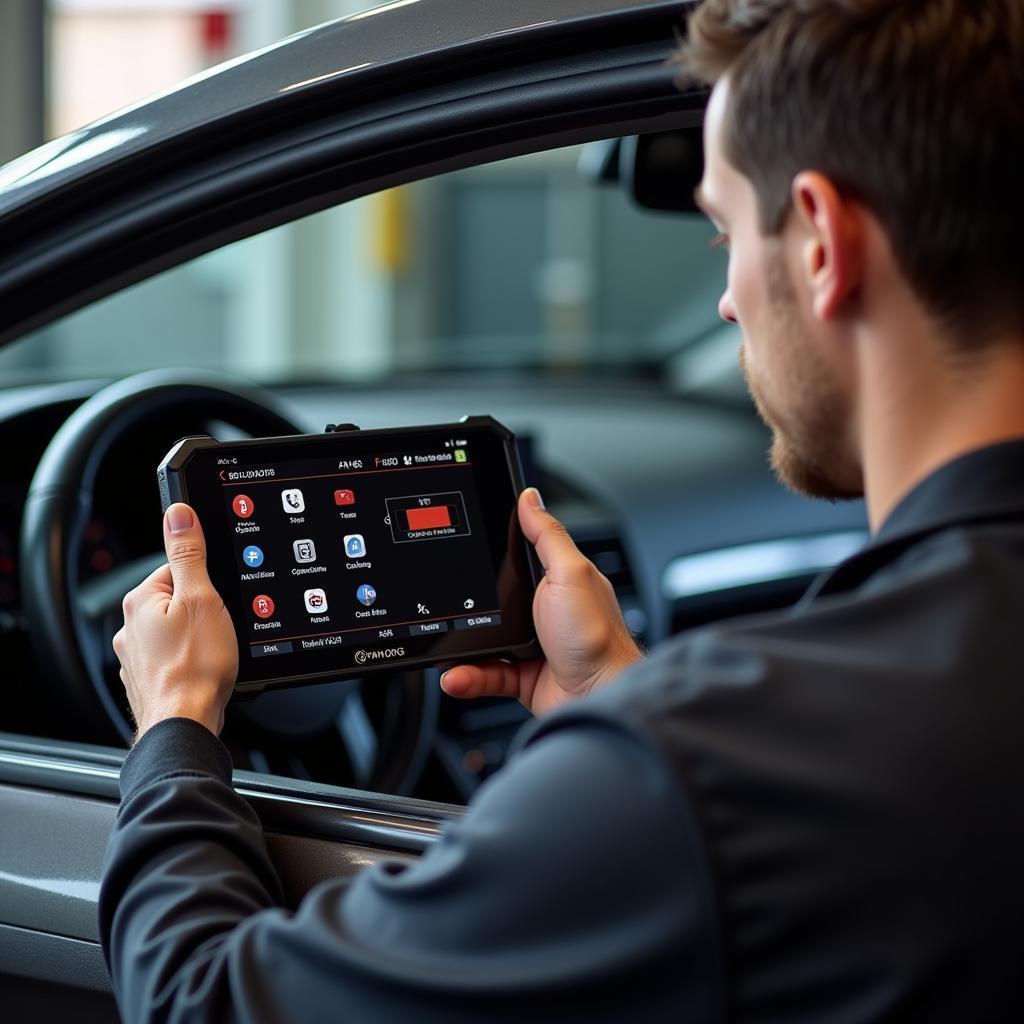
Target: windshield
[{"x": 521, "y": 264}]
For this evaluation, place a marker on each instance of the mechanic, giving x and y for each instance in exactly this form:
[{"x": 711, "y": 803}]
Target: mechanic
[{"x": 808, "y": 816}]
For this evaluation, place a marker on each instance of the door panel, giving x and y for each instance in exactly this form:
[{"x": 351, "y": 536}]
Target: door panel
[{"x": 57, "y": 806}]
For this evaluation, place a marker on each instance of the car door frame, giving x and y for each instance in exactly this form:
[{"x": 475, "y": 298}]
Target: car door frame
[{"x": 100, "y": 229}]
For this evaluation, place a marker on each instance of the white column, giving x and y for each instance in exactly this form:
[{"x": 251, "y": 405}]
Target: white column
[
  {"x": 318, "y": 295},
  {"x": 256, "y": 272}
]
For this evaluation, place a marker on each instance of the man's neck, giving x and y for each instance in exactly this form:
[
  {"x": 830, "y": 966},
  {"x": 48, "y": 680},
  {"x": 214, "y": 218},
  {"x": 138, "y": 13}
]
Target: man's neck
[{"x": 920, "y": 412}]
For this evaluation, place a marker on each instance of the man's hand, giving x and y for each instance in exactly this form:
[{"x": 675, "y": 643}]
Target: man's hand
[
  {"x": 177, "y": 649},
  {"x": 585, "y": 639}
]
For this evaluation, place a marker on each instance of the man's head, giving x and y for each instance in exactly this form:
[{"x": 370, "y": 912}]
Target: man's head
[{"x": 830, "y": 118}]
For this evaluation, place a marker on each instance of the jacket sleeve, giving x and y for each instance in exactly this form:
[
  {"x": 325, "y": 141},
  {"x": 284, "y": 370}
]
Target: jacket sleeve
[{"x": 574, "y": 888}]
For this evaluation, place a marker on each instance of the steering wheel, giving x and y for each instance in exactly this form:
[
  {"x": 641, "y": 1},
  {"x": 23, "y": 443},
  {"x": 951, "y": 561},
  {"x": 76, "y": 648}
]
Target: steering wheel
[{"x": 382, "y": 730}]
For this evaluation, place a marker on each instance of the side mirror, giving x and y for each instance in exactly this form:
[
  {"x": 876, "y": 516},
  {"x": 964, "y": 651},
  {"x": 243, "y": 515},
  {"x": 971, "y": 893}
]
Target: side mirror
[
  {"x": 659, "y": 171},
  {"x": 662, "y": 170}
]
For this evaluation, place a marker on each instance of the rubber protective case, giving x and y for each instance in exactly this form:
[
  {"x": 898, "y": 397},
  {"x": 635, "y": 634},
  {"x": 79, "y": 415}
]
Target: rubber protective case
[{"x": 174, "y": 486}]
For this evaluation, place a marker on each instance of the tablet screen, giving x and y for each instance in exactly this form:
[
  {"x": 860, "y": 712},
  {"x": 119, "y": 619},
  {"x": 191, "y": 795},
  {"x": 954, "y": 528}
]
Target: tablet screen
[{"x": 351, "y": 551}]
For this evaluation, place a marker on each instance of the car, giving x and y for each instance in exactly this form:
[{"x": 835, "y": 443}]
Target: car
[{"x": 570, "y": 292}]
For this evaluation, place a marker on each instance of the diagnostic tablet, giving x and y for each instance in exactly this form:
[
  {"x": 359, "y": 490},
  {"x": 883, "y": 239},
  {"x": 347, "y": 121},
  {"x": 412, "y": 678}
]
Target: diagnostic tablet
[{"x": 351, "y": 551}]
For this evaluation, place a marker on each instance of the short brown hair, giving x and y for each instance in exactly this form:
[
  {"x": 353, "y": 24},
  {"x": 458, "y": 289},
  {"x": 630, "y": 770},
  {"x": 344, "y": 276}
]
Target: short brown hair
[{"x": 914, "y": 107}]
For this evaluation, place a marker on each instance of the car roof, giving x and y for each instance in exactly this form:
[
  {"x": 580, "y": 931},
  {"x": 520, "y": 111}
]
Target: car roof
[{"x": 354, "y": 48}]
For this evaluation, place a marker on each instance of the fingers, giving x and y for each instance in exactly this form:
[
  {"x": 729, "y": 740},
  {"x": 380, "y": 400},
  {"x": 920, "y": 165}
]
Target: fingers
[
  {"x": 186, "y": 549},
  {"x": 494, "y": 679},
  {"x": 550, "y": 538},
  {"x": 156, "y": 584},
  {"x": 158, "y": 581}
]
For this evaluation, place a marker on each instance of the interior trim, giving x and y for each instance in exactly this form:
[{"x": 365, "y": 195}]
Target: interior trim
[
  {"x": 27, "y": 953},
  {"x": 283, "y": 805},
  {"x": 763, "y": 562}
]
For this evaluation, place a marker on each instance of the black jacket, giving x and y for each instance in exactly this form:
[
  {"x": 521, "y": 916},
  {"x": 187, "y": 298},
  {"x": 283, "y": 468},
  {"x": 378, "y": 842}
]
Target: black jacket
[{"x": 813, "y": 816}]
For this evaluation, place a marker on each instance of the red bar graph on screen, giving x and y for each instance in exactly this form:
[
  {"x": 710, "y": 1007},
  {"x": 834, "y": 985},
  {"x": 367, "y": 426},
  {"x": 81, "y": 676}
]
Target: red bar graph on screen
[{"x": 430, "y": 518}]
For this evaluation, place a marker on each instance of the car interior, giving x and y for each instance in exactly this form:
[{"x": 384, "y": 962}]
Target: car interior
[{"x": 568, "y": 290}]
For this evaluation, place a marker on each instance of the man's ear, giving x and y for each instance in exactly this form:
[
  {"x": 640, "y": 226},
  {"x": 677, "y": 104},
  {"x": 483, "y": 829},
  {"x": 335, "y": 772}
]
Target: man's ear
[{"x": 831, "y": 241}]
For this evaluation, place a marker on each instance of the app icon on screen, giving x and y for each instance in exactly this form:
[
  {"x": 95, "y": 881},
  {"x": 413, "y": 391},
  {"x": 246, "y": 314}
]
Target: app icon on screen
[
  {"x": 243, "y": 506},
  {"x": 263, "y": 605},
  {"x": 253, "y": 556},
  {"x": 355, "y": 545},
  {"x": 344, "y": 496},
  {"x": 316, "y": 601},
  {"x": 460, "y": 455},
  {"x": 305, "y": 551},
  {"x": 292, "y": 500},
  {"x": 366, "y": 594}
]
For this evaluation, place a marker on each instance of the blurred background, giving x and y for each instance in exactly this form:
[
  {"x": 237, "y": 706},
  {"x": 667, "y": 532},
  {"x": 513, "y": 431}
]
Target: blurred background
[{"x": 518, "y": 265}]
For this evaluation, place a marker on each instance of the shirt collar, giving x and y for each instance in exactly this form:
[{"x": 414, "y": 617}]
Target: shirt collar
[{"x": 984, "y": 484}]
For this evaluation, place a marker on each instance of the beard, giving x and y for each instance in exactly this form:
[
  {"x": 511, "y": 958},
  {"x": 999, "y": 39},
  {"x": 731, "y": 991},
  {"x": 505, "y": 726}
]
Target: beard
[{"x": 809, "y": 451}]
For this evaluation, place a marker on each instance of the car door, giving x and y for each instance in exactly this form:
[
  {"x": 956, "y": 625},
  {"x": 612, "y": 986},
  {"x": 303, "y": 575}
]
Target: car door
[{"x": 339, "y": 112}]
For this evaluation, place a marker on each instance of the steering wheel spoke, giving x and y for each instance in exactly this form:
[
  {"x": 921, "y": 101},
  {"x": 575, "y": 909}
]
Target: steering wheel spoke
[
  {"x": 100, "y": 599},
  {"x": 358, "y": 736}
]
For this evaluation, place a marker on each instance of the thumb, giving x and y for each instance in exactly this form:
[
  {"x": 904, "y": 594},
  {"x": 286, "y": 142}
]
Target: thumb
[
  {"x": 186, "y": 549},
  {"x": 551, "y": 539}
]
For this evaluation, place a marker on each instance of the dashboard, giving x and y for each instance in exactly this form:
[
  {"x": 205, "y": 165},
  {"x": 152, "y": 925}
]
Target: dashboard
[{"x": 672, "y": 499}]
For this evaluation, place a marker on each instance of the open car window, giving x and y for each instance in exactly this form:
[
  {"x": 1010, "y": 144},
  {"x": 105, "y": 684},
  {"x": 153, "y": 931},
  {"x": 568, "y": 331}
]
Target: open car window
[{"x": 523, "y": 265}]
